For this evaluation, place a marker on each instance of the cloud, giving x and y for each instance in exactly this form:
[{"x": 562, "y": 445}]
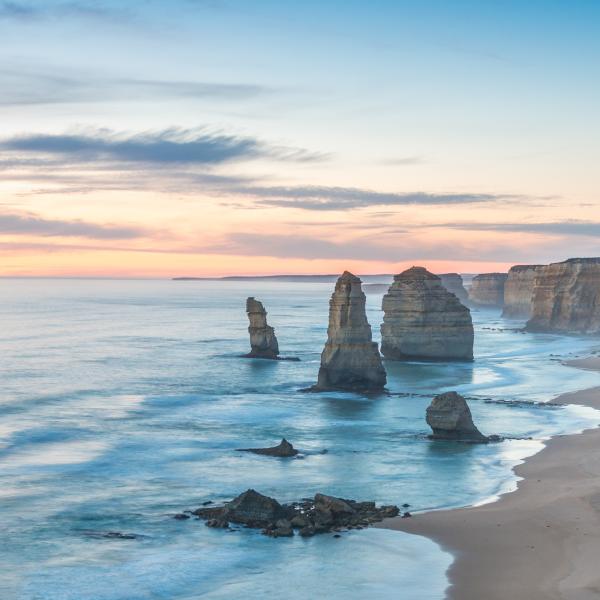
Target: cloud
[
  {"x": 28, "y": 11},
  {"x": 563, "y": 228},
  {"x": 323, "y": 198},
  {"x": 30, "y": 224},
  {"x": 171, "y": 146}
]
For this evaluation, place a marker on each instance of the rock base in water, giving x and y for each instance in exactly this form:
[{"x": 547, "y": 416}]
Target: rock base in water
[
  {"x": 263, "y": 341},
  {"x": 449, "y": 417},
  {"x": 283, "y": 450},
  {"x": 321, "y": 514}
]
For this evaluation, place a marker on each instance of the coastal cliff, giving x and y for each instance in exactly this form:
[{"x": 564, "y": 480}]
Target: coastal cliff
[
  {"x": 566, "y": 297},
  {"x": 487, "y": 289},
  {"x": 453, "y": 282},
  {"x": 263, "y": 342},
  {"x": 518, "y": 291},
  {"x": 350, "y": 359},
  {"x": 422, "y": 319}
]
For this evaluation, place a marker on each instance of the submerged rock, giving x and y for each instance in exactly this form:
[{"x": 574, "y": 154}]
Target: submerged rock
[
  {"x": 422, "y": 319},
  {"x": 487, "y": 289},
  {"x": 449, "y": 417},
  {"x": 453, "y": 282},
  {"x": 320, "y": 514},
  {"x": 518, "y": 291},
  {"x": 350, "y": 359},
  {"x": 283, "y": 449},
  {"x": 263, "y": 342},
  {"x": 566, "y": 297}
]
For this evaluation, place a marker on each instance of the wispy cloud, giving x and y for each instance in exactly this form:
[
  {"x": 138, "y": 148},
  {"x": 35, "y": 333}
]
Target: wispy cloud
[
  {"x": 27, "y": 11},
  {"x": 562, "y": 228},
  {"x": 31, "y": 224}
]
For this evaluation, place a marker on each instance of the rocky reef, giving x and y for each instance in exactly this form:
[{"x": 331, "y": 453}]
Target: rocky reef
[
  {"x": 283, "y": 450},
  {"x": 453, "y": 282},
  {"x": 321, "y": 514},
  {"x": 566, "y": 297},
  {"x": 350, "y": 360},
  {"x": 487, "y": 289},
  {"x": 449, "y": 417},
  {"x": 518, "y": 291},
  {"x": 263, "y": 343},
  {"x": 422, "y": 319}
]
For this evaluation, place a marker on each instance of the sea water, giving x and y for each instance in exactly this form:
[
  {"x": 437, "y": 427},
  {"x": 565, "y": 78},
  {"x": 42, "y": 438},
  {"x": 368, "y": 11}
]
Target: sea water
[{"x": 123, "y": 403}]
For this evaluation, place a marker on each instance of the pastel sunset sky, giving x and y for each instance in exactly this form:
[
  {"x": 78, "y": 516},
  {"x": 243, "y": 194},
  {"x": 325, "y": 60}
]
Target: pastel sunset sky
[{"x": 190, "y": 137}]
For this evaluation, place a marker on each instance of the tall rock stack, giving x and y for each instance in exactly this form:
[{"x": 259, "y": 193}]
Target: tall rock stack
[
  {"x": 487, "y": 289},
  {"x": 518, "y": 291},
  {"x": 453, "y": 282},
  {"x": 350, "y": 359},
  {"x": 422, "y": 319},
  {"x": 566, "y": 297},
  {"x": 263, "y": 343}
]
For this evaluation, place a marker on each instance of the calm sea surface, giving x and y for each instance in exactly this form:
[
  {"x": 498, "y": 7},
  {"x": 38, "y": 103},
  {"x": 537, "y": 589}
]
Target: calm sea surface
[{"x": 123, "y": 402}]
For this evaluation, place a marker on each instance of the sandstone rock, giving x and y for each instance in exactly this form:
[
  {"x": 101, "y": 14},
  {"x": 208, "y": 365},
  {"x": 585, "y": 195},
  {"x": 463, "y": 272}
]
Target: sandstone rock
[
  {"x": 518, "y": 291},
  {"x": 566, "y": 297},
  {"x": 422, "y": 319},
  {"x": 453, "y": 282},
  {"x": 263, "y": 343},
  {"x": 283, "y": 449},
  {"x": 350, "y": 359},
  {"x": 487, "y": 289},
  {"x": 449, "y": 417}
]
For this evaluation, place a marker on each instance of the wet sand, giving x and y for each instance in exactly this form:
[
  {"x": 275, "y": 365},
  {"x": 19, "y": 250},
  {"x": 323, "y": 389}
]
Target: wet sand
[{"x": 541, "y": 541}]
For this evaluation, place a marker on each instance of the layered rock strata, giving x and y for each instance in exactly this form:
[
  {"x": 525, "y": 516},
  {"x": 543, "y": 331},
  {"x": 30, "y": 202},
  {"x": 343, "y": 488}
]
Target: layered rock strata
[
  {"x": 319, "y": 515},
  {"x": 422, "y": 319},
  {"x": 449, "y": 417},
  {"x": 453, "y": 282},
  {"x": 487, "y": 289},
  {"x": 566, "y": 297},
  {"x": 263, "y": 343},
  {"x": 518, "y": 291},
  {"x": 350, "y": 359}
]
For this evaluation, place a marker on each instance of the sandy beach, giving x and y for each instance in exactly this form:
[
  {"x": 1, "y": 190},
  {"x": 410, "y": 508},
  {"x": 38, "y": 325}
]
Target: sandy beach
[{"x": 541, "y": 541}]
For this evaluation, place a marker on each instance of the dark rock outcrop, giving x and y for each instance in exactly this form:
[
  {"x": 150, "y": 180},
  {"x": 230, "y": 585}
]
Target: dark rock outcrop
[
  {"x": 263, "y": 343},
  {"x": 518, "y": 291},
  {"x": 350, "y": 360},
  {"x": 449, "y": 417},
  {"x": 282, "y": 450},
  {"x": 319, "y": 515},
  {"x": 422, "y": 319},
  {"x": 566, "y": 297},
  {"x": 453, "y": 282},
  {"x": 487, "y": 289}
]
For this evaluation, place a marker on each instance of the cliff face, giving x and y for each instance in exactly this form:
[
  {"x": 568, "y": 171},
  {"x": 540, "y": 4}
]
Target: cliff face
[
  {"x": 518, "y": 291},
  {"x": 566, "y": 297},
  {"x": 487, "y": 289},
  {"x": 453, "y": 282},
  {"x": 422, "y": 319},
  {"x": 263, "y": 343},
  {"x": 350, "y": 359}
]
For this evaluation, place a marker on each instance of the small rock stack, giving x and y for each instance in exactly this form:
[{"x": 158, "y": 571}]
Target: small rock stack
[
  {"x": 263, "y": 343},
  {"x": 449, "y": 417},
  {"x": 350, "y": 360},
  {"x": 453, "y": 282},
  {"x": 487, "y": 289}
]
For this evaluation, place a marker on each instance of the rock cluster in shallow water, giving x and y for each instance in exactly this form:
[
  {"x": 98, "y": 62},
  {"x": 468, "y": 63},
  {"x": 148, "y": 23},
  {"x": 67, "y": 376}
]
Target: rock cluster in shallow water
[
  {"x": 321, "y": 514},
  {"x": 449, "y": 417},
  {"x": 350, "y": 359},
  {"x": 518, "y": 291},
  {"x": 422, "y": 319},
  {"x": 263, "y": 343},
  {"x": 487, "y": 289},
  {"x": 566, "y": 297}
]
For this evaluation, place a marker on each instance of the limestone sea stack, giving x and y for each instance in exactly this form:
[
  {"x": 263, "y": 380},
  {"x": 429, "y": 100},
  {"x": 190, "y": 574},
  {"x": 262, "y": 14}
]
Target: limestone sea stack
[
  {"x": 449, "y": 417},
  {"x": 350, "y": 359},
  {"x": 487, "y": 289},
  {"x": 518, "y": 291},
  {"x": 453, "y": 282},
  {"x": 422, "y": 319},
  {"x": 566, "y": 297},
  {"x": 263, "y": 343}
]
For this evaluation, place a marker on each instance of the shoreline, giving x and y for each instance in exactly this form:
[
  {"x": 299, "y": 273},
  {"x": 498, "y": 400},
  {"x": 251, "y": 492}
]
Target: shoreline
[{"x": 539, "y": 541}]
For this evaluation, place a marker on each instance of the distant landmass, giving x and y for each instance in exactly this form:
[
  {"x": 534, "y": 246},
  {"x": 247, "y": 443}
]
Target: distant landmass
[{"x": 298, "y": 278}]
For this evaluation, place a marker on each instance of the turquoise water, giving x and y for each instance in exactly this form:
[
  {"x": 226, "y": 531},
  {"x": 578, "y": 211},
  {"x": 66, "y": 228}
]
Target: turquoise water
[{"x": 123, "y": 402}]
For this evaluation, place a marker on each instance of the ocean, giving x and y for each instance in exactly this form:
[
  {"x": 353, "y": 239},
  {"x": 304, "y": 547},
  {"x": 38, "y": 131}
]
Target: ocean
[{"x": 123, "y": 403}]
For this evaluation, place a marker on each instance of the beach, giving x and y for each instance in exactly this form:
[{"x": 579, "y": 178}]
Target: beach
[{"x": 540, "y": 541}]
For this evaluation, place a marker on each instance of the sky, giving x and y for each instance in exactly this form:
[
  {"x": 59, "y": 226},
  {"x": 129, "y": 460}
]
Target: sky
[{"x": 155, "y": 138}]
